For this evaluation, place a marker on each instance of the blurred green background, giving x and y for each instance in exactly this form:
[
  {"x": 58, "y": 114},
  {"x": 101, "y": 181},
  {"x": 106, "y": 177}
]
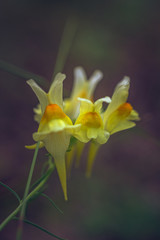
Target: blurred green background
[{"x": 121, "y": 201}]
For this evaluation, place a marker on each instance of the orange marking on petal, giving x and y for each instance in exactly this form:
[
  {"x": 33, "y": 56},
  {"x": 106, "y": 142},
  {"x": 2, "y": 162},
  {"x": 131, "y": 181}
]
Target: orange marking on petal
[
  {"x": 124, "y": 110},
  {"x": 53, "y": 111},
  {"x": 90, "y": 119}
]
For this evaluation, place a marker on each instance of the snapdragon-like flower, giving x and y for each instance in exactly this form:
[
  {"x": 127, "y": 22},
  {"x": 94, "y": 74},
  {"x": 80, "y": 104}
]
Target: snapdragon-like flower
[
  {"x": 119, "y": 114},
  {"x": 82, "y": 88},
  {"x": 98, "y": 126},
  {"x": 55, "y": 126},
  {"x": 91, "y": 127},
  {"x": 91, "y": 122}
]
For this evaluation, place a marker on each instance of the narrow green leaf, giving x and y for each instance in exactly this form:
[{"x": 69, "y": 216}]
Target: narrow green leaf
[
  {"x": 39, "y": 180},
  {"x": 10, "y": 68},
  {"x": 65, "y": 45},
  {"x": 52, "y": 202},
  {"x": 11, "y": 190},
  {"x": 41, "y": 228},
  {"x": 37, "y": 194}
]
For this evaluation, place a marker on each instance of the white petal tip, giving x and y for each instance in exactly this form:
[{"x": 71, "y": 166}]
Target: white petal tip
[
  {"x": 80, "y": 74},
  {"x": 125, "y": 81},
  {"x": 101, "y": 100},
  {"x": 107, "y": 99},
  {"x": 83, "y": 100},
  {"x": 98, "y": 74},
  {"x": 79, "y": 68}
]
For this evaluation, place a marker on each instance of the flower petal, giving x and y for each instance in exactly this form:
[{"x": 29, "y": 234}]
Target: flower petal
[
  {"x": 72, "y": 128},
  {"x": 93, "y": 81},
  {"x": 92, "y": 133},
  {"x": 125, "y": 124},
  {"x": 134, "y": 116},
  {"x": 103, "y": 136},
  {"x": 56, "y": 90},
  {"x": 80, "y": 79},
  {"x": 54, "y": 125},
  {"x": 41, "y": 95},
  {"x": 31, "y": 147},
  {"x": 39, "y": 136},
  {"x": 86, "y": 105},
  {"x": 81, "y": 134},
  {"x": 98, "y": 103},
  {"x": 119, "y": 97}
]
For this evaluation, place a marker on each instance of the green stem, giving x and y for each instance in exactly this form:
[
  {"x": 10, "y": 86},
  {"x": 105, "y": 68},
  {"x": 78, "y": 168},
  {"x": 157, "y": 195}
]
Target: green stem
[
  {"x": 65, "y": 45},
  {"x": 41, "y": 228},
  {"x": 11, "y": 190},
  {"x": 10, "y": 68},
  {"x": 36, "y": 189},
  {"x": 29, "y": 180},
  {"x": 22, "y": 212}
]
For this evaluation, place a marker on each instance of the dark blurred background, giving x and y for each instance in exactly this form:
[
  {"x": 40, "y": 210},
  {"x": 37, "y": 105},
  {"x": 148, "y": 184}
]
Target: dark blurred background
[{"x": 121, "y": 201}]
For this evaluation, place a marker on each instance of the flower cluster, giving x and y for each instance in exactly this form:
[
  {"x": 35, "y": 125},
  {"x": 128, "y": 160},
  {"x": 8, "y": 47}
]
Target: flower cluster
[{"x": 80, "y": 118}]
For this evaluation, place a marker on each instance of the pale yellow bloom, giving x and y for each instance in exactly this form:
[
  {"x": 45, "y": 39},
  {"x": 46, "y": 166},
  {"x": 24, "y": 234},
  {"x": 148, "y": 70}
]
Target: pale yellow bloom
[
  {"x": 98, "y": 126},
  {"x": 91, "y": 122},
  {"x": 92, "y": 128},
  {"x": 82, "y": 88},
  {"x": 55, "y": 126},
  {"x": 119, "y": 114}
]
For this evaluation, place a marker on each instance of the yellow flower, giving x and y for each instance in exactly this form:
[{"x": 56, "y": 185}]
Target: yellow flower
[
  {"x": 91, "y": 122},
  {"x": 55, "y": 126},
  {"x": 119, "y": 113},
  {"x": 92, "y": 128},
  {"x": 98, "y": 126},
  {"x": 82, "y": 88}
]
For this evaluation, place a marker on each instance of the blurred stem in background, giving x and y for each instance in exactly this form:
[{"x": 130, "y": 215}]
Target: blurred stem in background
[
  {"x": 67, "y": 39},
  {"x": 10, "y": 68},
  {"x": 64, "y": 49}
]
